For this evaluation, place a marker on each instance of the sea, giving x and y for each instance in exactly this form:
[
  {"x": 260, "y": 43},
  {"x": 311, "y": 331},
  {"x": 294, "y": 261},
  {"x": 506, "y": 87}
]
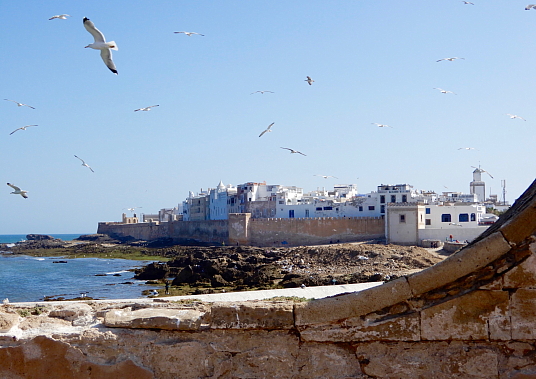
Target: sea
[{"x": 25, "y": 278}]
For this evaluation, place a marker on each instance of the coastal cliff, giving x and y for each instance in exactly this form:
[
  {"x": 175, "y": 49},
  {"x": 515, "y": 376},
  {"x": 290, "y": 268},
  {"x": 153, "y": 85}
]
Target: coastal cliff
[{"x": 470, "y": 316}]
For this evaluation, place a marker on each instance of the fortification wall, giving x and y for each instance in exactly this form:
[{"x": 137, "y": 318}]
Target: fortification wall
[
  {"x": 244, "y": 230},
  {"x": 313, "y": 231}
]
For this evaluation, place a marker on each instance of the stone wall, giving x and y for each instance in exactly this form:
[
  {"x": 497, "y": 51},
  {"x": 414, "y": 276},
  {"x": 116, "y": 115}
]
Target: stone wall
[
  {"x": 244, "y": 230},
  {"x": 472, "y": 315}
]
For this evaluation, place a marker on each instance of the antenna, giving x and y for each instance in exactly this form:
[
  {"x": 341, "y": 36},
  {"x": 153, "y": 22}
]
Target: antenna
[{"x": 503, "y": 185}]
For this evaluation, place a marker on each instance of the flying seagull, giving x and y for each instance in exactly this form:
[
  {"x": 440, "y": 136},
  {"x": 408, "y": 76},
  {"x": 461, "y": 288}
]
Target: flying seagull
[
  {"x": 448, "y": 59},
  {"x": 467, "y": 148},
  {"x": 381, "y": 125},
  {"x": 267, "y": 129},
  {"x": 309, "y": 80},
  {"x": 60, "y": 16},
  {"x": 467, "y": 2},
  {"x": 20, "y": 104},
  {"x": 84, "y": 163},
  {"x": 327, "y": 176},
  {"x": 262, "y": 92},
  {"x": 101, "y": 44},
  {"x": 530, "y": 6},
  {"x": 293, "y": 151},
  {"x": 132, "y": 209},
  {"x": 21, "y": 128},
  {"x": 189, "y": 34},
  {"x": 482, "y": 170},
  {"x": 18, "y": 191},
  {"x": 444, "y": 91},
  {"x": 146, "y": 108},
  {"x": 512, "y": 116}
]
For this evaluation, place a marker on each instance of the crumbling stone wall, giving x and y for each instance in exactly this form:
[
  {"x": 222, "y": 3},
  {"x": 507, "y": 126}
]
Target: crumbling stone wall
[{"x": 472, "y": 315}]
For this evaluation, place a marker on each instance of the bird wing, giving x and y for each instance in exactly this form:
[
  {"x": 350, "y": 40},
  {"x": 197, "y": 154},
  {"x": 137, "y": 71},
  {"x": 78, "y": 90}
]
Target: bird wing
[
  {"x": 14, "y": 187},
  {"x": 90, "y": 169},
  {"x": 23, "y": 194},
  {"x": 269, "y": 126},
  {"x": 106, "y": 56},
  {"x": 152, "y": 106},
  {"x": 286, "y": 148},
  {"x": 80, "y": 159},
  {"x": 264, "y": 131},
  {"x": 15, "y": 131},
  {"x": 96, "y": 33},
  {"x": 29, "y": 106},
  {"x": 299, "y": 152}
]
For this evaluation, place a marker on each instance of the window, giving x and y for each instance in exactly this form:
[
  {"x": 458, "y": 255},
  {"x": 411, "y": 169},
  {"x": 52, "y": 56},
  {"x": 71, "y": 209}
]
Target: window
[
  {"x": 328, "y": 208},
  {"x": 445, "y": 217},
  {"x": 427, "y": 211},
  {"x": 360, "y": 208},
  {"x": 307, "y": 213},
  {"x": 318, "y": 208},
  {"x": 371, "y": 207},
  {"x": 382, "y": 209},
  {"x": 473, "y": 217},
  {"x": 393, "y": 198},
  {"x": 402, "y": 218},
  {"x": 463, "y": 217},
  {"x": 291, "y": 213},
  {"x": 428, "y": 221},
  {"x": 382, "y": 199},
  {"x": 404, "y": 198}
]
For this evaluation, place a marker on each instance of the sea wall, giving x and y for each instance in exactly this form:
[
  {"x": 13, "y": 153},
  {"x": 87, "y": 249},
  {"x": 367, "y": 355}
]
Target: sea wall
[
  {"x": 473, "y": 315},
  {"x": 243, "y": 230}
]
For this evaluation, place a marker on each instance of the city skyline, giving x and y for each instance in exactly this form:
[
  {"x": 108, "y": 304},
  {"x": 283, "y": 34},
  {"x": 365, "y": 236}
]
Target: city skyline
[{"x": 373, "y": 63}]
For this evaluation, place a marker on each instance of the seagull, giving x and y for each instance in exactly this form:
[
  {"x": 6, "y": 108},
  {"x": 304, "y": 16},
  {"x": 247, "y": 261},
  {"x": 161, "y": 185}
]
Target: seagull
[
  {"x": 444, "y": 91},
  {"x": 309, "y": 80},
  {"x": 84, "y": 163},
  {"x": 101, "y": 44},
  {"x": 381, "y": 125},
  {"x": 449, "y": 59},
  {"x": 467, "y": 2},
  {"x": 467, "y": 148},
  {"x": 483, "y": 171},
  {"x": 132, "y": 209},
  {"x": 262, "y": 92},
  {"x": 21, "y": 128},
  {"x": 327, "y": 176},
  {"x": 530, "y": 6},
  {"x": 18, "y": 191},
  {"x": 189, "y": 34},
  {"x": 20, "y": 104},
  {"x": 267, "y": 129},
  {"x": 60, "y": 16},
  {"x": 512, "y": 116},
  {"x": 146, "y": 108},
  {"x": 293, "y": 151}
]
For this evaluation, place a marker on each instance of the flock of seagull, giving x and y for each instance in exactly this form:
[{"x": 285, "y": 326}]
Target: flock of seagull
[{"x": 105, "y": 48}]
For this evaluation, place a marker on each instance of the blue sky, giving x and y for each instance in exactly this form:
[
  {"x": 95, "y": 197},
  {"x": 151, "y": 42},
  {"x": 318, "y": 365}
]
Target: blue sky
[{"x": 373, "y": 61}]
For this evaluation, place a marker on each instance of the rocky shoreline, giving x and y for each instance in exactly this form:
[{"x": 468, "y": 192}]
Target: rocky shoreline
[{"x": 186, "y": 270}]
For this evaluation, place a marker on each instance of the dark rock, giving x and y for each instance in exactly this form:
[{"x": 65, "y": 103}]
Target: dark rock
[
  {"x": 40, "y": 237},
  {"x": 155, "y": 270}
]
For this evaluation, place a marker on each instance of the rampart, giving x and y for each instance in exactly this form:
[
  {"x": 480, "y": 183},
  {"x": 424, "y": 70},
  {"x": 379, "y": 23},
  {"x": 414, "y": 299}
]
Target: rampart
[
  {"x": 243, "y": 230},
  {"x": 471, "y": 316}
]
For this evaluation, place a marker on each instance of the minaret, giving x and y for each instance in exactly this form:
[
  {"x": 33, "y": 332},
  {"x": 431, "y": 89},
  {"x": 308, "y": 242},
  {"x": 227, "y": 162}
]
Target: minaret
[{"x": 477, "y": 186}]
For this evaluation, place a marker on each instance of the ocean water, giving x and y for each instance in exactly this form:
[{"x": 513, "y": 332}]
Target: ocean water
[
  {"x": 12, "y": 238},
  {"x": 26, "y": 278}
]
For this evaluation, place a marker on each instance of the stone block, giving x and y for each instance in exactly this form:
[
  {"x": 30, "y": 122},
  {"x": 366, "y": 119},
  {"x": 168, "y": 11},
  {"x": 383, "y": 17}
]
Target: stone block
[
  {"x": 78, "y": 313},
  {"x": 354, "y": 304},
  {"x": 252, "y": 315},
  {"x": 155, "y": 318},
  {"x": 402, "y": 328},
  {"x": 522, "y": 225},
  {"x": 523, "y": 275},
  {"x": 523, "y": 314},
  {"x": 466, "y": 261},
  {"x": 7, "y": 321},
  {"x": 478, "y": 315}
]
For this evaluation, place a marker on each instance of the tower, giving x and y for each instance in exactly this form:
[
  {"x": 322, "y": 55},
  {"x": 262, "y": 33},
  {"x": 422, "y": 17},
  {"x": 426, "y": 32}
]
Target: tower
[{"x": 477, "y": 186}]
